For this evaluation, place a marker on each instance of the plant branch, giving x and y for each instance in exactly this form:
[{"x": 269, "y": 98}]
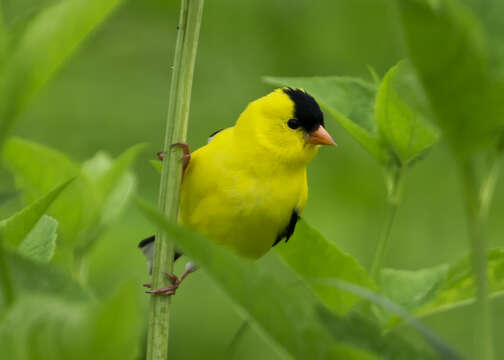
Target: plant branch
[
  {"x": 394, "y": 178},
  {"x": 169, "y": 194},
  {"x": 476, "y": 211}
]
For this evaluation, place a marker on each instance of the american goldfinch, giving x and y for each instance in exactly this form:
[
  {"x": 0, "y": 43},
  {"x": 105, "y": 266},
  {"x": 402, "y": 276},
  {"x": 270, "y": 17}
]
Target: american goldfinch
[{"x": 247, "y": 187}]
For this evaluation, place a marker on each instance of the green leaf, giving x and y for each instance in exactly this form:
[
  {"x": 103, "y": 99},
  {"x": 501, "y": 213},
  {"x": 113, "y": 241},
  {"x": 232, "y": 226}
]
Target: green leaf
[
  {"x": 402, "y": 126},
  {"x": 37, "y": 169},
  {"x": 287, "y": 316},
  {"x": 29, "y": 277},
  {"x": 395, "y": 345},
  {"x": 48, "y": 40},
  {"x": 48, "y": 327},
  {"x": 118, "y": 169},
  {"x": 368, "y": 335},
  {"x": 459, "y": 287},
  {"x": 303, "y": 254},
  {"x": 350, "y": 101},
  {"x": 14, "y": 229},
  {"x": 465, "y": 95},
  {"x": 40, "y": 243},
  {"x": 411, "y": 289},
  {"x": 99, "y": 194},
  {"x": 441, "y": 288}
]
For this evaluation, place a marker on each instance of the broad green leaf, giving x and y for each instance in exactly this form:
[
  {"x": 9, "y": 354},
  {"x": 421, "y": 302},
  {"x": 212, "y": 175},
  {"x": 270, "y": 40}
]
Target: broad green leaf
[
  {"x": 447, "y": 46},
  {"x": 402, "y": 126},
  {"x": 14, "y": 229},
  {"x": 113, "y": 185},
  {"x": 444, "y": 350},
  {"x": 7, "y": 196},
  {"x": 99, "y": 194},
  {"x": 286, "y": 316},
  {"x": 47, "y": 41},
  {"x": 29, "y": 277},
  {"x": 350, "y": 101},
  {"x": 40, "y": 243},
  {"x": 48, "y": 327},
  {"x": 412, "y": 289},
  {"x": 443, "y": 287},
  {"x": 459, "y": 287},
  {"x": 37, "y": 169},
  {"x": 313, "y": 256},
  {"x": 366, "y": 334},
  {"x": 118, "y": 169}
]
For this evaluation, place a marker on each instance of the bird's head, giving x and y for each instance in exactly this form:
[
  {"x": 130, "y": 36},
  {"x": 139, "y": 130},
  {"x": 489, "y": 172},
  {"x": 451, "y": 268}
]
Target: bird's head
[{"x": 288, "y": 123}]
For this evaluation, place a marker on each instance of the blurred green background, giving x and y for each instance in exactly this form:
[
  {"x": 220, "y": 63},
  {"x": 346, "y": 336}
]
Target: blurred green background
[{"x": 113, "y": 94}]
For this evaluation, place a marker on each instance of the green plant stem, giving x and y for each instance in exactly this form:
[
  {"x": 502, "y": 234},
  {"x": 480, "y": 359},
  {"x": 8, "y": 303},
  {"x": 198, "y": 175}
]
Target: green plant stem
[
  {"x": 393, "y": 199},
  {"x": 169, "y": 194},
  {"x": 6, "y": 284},
  {"x": 477, "y": 219}
]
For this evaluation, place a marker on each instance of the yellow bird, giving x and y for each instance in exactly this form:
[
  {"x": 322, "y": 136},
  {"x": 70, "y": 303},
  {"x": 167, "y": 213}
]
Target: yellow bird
[{"x": 247, "y": 187}]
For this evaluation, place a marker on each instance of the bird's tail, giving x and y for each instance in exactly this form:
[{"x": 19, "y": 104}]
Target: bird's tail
[{"x": 147, "y": 247}]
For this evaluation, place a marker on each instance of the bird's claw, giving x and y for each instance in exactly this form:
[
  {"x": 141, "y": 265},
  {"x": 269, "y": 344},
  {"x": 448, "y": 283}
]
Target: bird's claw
[
  {"x": 186, "y": 157},
  {"x": 168, "y": 290}
]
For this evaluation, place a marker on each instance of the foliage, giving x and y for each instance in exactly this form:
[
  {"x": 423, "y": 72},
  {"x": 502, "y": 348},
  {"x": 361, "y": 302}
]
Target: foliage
[
  {"x": 99, "y": 193},
  {"x": 441, "y": 288},
  {"x": 313, "y": 299},
  {"x": 388, "y": 120},
  {"x": 287, "y": 316},
  {"x": 302, "y": 254},
  {"x": 60, "y": 318},
  {"x": 48, "y": 39}
]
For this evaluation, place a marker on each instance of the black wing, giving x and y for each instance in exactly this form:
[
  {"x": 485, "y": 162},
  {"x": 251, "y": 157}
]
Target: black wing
[
  {"x": 289, "y": 230},
  {"x": 210, "y": 138}
]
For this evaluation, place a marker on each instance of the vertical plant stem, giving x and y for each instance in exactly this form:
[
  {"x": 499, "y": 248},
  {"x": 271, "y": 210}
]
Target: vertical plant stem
[
  {"x": 477, "y": 218},
  {"x": 393, "y": 201},
  {"x": 176, "y": 129}
]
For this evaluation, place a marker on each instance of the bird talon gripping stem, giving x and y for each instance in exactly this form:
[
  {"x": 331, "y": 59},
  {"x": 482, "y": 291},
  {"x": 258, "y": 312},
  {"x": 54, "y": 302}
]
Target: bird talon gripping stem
[
  {"x": 186, "y": 157},
  {"x": 175, "y": 280}
]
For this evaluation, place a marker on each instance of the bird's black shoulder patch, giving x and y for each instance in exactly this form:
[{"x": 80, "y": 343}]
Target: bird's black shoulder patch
[
  {"x": 289, "y": 230},
  {"x": 210, "y": 138},
  {"x": 306, "y": 109}
]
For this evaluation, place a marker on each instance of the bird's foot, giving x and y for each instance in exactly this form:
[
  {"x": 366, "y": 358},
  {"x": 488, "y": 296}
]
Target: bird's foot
[
  {"x": 171, "y": 289},
  {"x": 186, "y": 157}
]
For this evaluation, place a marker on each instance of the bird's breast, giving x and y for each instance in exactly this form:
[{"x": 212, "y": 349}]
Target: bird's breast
[{"x": 240, "y": 206}]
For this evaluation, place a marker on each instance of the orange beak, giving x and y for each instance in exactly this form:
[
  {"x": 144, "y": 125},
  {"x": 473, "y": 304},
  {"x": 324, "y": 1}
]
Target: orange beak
[{"x": 320, "y": 137}]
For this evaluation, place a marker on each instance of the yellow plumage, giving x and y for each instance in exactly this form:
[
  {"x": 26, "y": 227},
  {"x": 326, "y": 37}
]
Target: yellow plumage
[{"x": 243, "y": 187}]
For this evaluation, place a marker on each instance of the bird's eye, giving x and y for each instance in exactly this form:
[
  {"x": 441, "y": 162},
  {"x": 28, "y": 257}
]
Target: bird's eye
[{"x": 293, "y": 124}]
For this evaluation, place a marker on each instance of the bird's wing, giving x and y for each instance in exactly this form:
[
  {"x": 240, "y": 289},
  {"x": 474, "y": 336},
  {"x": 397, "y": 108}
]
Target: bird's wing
[
  {"x": 212, "y": 135},
  {"x": 291, "y": 226},
  {"x": 289, "y": 230},
  {"x": 147, "y": 247}
]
